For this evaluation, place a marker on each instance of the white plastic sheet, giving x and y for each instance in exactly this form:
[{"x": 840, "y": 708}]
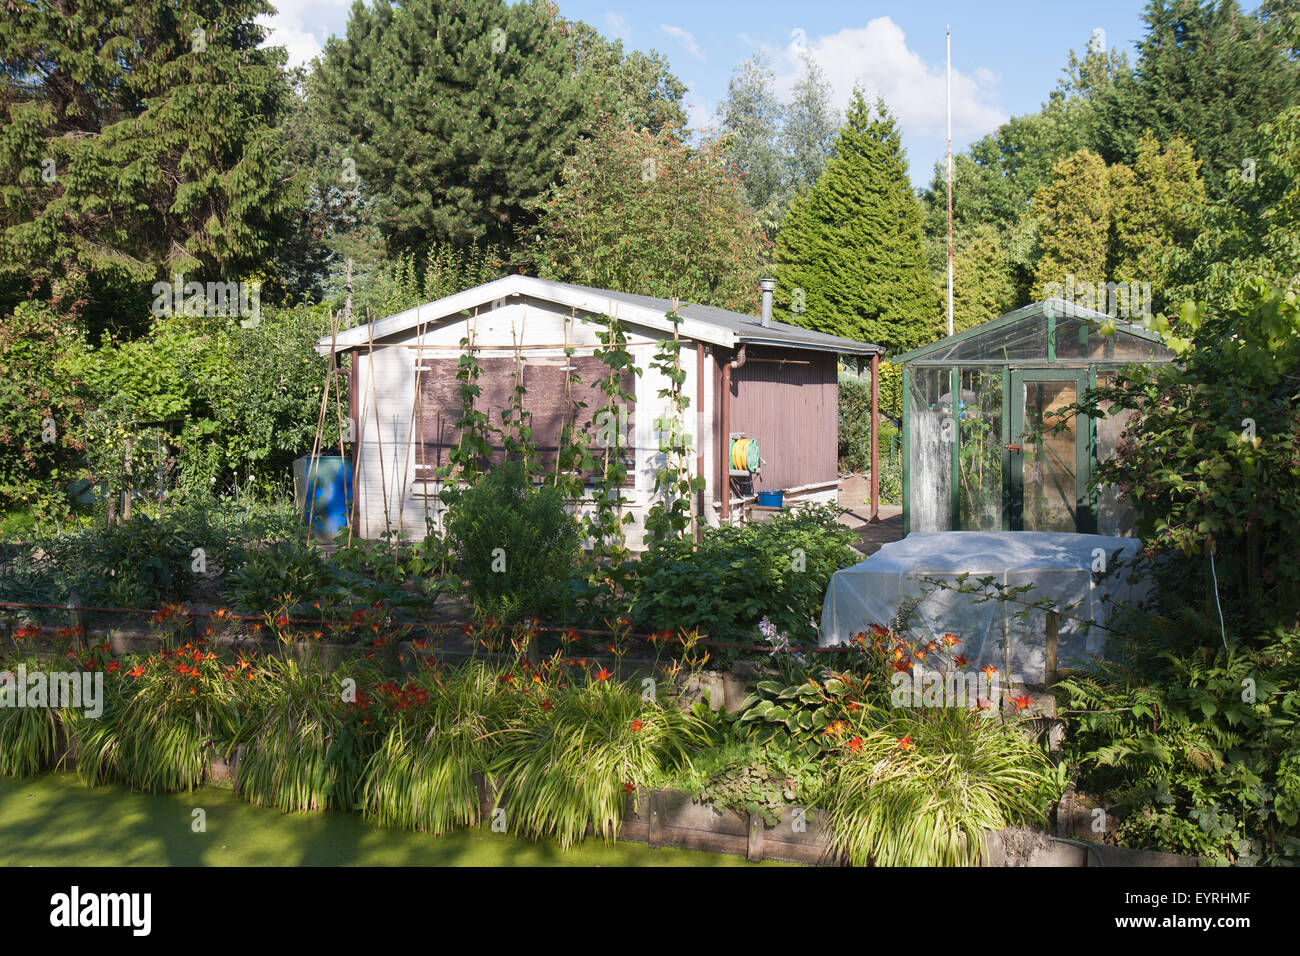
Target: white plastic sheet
[{"x": 1060, "y": 566}]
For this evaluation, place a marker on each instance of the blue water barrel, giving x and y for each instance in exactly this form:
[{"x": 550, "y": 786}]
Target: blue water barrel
[
  {"x": 324, "y": 491},
  {"x": 771, "y": 499}
]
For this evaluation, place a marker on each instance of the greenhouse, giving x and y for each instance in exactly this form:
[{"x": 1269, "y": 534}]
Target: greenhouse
[{"x": 1000, "y": 456}]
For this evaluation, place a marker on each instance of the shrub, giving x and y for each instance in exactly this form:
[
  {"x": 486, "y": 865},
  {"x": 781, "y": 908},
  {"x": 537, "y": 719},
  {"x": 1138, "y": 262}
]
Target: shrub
[
  {"x": 140, "y": 563},
  {"x": 739, "y": 574},
  {"x": 517, "y": 545},
  {"x": 1209, "y": 457}
]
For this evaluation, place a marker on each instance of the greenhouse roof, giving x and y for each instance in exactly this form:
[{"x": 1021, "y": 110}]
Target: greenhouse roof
[{"x": 1051, "y": 331}]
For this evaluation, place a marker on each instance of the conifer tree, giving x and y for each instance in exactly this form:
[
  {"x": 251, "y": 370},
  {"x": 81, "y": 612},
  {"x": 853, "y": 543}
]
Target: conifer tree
[
  {"x": 1074, "y": 214},
  {"x": 457, "y": 114},
  {"x": 137, "y": 140},
  {"x": 849, "y": 256},
  {"x": 1205, "y": 70}
]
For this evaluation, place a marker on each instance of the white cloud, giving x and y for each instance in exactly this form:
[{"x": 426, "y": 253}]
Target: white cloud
[
  {"x": 616, "y": 26},
  {"x": 303, "y": 26},
  {"x": 687, "y": 39},
  {"x": 877, "y": 58},
  {"x": 700, "y": 113}
]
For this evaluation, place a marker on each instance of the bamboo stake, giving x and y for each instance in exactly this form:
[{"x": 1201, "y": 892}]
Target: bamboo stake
[
  {"x": 316, "y": 440},
  {"x": 379, "y": 436},
  {"x": 410, "y": 436},
  {"x": 338, "y": 403},
  {"x": 356, "y": 467}
]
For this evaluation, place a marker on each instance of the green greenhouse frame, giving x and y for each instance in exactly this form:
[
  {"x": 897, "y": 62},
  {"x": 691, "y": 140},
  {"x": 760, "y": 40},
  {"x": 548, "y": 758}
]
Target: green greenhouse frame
[{"x": 998, "y": 457}]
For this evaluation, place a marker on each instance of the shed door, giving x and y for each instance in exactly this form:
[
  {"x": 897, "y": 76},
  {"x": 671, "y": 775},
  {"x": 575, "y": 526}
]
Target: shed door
[{"x": 1049, "y": 468}]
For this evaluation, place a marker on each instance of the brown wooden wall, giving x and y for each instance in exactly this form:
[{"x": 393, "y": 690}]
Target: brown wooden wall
[
  {"x": 788, "y": 401},
  {"x": 551, "y": 407}
]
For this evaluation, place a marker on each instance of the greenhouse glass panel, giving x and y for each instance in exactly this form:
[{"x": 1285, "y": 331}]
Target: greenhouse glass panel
[
  {"x": 1115, "y": 515},
  {"x": 929, "y": 448},
  {"x": 1051, "y": 462},
  {"x": 1081, "y": 340},
  {"x": 1019, "y": 341},
  {"x": 980, "y": 457}
]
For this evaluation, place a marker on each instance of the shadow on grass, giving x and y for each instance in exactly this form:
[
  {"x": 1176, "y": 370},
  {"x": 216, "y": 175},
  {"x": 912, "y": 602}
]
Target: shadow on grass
[{"x": 53, "y": 820}]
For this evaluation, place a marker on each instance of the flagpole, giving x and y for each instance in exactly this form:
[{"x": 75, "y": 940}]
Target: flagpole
[{"x": 950, "y": 180}]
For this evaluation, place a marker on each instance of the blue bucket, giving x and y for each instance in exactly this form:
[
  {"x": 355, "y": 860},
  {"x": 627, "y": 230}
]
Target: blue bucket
[
  {"x": 325, "y": 493},
  {"x": 771, "y": 499}
]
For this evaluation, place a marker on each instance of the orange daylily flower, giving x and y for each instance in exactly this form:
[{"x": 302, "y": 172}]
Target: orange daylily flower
[{"x": 906, "y": 743}]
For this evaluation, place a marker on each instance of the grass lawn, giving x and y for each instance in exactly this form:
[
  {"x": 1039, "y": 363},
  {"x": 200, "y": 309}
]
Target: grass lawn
[{"x": 54, "y": 820}]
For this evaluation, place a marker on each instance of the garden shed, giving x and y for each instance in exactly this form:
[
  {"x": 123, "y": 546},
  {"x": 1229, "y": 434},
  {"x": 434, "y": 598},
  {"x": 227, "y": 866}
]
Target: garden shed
[
  {"x": 746, "y": 377},
  {"x": 982, "y": 450}
]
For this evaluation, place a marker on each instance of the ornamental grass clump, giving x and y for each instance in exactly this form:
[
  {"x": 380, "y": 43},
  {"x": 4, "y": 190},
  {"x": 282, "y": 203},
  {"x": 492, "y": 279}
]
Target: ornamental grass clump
[
  {"x": 443, "y": 728},
  {"x": 923, "y": 789},
  {"x": 574, "y": 760},
  {"x": 164, "y": 718},
  {"x": 304, "y": 741},
  {"x": 29, "y": 736}
]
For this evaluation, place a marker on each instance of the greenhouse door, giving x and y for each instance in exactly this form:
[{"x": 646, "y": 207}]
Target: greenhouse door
[{"x": 1048, "y": 469}]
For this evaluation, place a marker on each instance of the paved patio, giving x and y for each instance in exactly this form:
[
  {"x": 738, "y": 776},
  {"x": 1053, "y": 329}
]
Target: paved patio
[{"x": 855, "y": 495}]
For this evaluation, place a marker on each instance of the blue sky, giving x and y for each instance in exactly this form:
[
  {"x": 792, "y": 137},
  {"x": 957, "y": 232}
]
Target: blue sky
[{"x": 1006, "y": 54}]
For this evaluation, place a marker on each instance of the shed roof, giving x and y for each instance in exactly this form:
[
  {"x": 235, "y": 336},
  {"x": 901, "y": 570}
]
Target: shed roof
[
  {"x": 702, "y": 323},
  {"x": 1023, "y": 335}
]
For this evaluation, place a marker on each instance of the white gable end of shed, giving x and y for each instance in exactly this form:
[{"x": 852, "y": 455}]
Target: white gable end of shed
[{"x": 501, "y": 294}]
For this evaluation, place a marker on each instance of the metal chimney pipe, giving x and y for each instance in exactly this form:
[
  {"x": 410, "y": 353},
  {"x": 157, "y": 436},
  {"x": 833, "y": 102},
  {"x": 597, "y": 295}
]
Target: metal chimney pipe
[{"x": 768, "y": 286}]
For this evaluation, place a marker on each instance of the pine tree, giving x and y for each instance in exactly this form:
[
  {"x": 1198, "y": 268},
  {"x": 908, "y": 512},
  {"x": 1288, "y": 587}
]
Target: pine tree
[
  {"x": 457, "y": 114},
  {"x": 849, "y": 256},
  {"x": 137, "y": 140}
]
